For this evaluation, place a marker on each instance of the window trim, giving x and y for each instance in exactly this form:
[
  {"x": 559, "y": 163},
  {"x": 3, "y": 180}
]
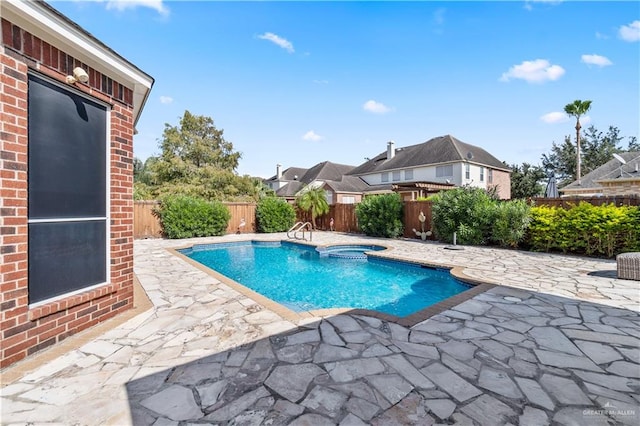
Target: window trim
[
  {"x": 467, "y": 171},
  {"x": 384, "y": 177},
  {"x": 107, "y": 218}
]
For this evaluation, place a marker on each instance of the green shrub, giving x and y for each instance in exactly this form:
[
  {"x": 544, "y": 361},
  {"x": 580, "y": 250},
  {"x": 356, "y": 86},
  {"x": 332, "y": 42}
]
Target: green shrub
[
  {"x": 274, "y": 215},
  {"x": 585, "y": 229},
  {"x": 511, "y": 220},
  {"x": 467, "y": 211},
  {"x": 184, "y": 217},
  {"x": 381, "y": 215}
]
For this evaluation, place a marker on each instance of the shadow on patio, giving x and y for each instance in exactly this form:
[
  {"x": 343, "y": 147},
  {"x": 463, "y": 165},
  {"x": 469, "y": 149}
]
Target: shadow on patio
[{"x": 506, "y": 355}]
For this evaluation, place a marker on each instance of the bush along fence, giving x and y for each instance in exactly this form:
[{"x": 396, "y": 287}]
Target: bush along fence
[
  {"x": 147, "y": 223},
  {"x": 570, "y": 226}
]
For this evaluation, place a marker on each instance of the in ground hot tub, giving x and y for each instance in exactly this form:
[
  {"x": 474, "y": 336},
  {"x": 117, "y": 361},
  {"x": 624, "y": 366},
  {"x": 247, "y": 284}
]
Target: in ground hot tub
[{"x": 350, "y": 251}]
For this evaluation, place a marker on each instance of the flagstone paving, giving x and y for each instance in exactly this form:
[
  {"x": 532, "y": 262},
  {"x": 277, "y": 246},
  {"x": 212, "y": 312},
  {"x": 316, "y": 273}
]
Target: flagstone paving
[{"x": 557, "y": 343}]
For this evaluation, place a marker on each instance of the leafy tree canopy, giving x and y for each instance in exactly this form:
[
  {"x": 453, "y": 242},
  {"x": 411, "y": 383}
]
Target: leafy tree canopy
[
  {"x": 314, "y": 199},
  {"x": 526, "y": 180},
  {"x": 195, "y": 160},
  {"x": 597, "y": 148}
]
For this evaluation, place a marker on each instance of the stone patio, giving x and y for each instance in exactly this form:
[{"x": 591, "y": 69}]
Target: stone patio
[{"x": 558, "y": 342}]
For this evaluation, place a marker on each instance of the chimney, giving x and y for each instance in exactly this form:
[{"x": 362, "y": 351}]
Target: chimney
[
  {"x": 278, "y": 171},
  {"x": 391, "y": 150}
]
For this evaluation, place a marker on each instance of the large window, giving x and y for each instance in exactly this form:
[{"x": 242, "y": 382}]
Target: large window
[
  {"x": 385, "y": 177},
  {"x": 67, "y": 173},
  {"x": 444, "y": 171},
  {"x": 396, "y": 175},
  {"x": 408, "y": 174}
]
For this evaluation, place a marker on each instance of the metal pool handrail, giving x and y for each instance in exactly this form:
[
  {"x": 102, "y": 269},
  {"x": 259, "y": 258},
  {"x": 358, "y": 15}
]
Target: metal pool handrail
[{"x": 300, "y": 227}]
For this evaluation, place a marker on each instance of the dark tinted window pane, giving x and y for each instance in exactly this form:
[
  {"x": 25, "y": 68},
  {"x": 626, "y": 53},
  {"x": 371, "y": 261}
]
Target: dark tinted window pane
[
  {"x": 67, "y": 148},
  {"x": 65, "y": 256}
]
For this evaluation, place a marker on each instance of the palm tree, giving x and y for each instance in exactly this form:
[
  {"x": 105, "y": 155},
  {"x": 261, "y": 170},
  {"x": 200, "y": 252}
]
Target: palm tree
[
  {"x": 313, "y": 199},
  {"x": 577, "y": 109}
]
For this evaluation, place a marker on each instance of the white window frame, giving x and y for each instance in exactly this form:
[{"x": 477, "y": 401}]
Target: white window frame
[
  {"x": 481, "y": 174},
  {"x": 489, "y": 175},
  {"x": 384, "y": 177},
  {"x": 467, "y": 171},
  {"x": 395, "y": 175},
  {"x": 348, "y": 199}
]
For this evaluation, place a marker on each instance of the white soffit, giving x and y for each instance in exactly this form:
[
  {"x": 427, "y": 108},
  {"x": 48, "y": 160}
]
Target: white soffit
[{"x": 37, "y": 19}]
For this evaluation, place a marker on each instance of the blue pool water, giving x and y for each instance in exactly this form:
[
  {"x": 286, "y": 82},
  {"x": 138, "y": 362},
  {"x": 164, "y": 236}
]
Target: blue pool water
[{"x": 302, "y": 278}]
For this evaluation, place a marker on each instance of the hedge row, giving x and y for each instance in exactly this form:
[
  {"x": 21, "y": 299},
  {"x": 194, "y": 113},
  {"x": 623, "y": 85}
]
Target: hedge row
[{"x": 585, "y": 229}]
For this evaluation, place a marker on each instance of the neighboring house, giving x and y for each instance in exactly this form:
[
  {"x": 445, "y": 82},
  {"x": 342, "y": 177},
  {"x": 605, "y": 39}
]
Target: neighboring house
[
  {"x": 69, "y": 105},
  {"x": 612, "y": 178},
  {"x": 282, "y": 178},
  {"x": 439, "y": 163},
  {"x": 340, "y": 187}
]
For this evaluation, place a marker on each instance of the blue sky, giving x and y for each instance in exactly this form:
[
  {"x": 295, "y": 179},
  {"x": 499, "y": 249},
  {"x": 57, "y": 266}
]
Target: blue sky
[{"x": 298, "y": 83}]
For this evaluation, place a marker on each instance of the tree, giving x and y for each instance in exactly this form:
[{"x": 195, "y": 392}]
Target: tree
[
  {"x": 577, "y": 109},
  {"x": 525, "y": 180},
  {"x": 314, "y": 199},
  {"x": 197, "y": 161},
  {"x": 598, "y": 147},
  {"x": 561, "y": 161}
]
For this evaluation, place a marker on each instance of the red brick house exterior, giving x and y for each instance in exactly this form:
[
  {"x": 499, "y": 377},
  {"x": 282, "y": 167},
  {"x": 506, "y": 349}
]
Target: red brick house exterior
[{"x": 38, "y": 40}]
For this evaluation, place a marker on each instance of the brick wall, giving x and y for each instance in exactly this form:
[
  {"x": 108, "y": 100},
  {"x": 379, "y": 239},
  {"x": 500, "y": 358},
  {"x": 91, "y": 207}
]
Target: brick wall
[
  {"x": 27, "y": 330},
  {"x": 502, "y": 180}
]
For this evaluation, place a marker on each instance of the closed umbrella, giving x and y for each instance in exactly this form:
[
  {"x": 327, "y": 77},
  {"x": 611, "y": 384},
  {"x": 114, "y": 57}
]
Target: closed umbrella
[{"x": 552, "y": 188}]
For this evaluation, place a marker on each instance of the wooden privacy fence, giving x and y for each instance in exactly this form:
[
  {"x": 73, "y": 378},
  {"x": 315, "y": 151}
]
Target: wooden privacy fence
[
  {"x": 568, "y": 202},
  {"x": 147, "y": 225},
  {"x": 344, "y": 218}
]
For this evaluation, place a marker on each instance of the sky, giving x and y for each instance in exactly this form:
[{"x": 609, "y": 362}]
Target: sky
[{"x": 298, "y": 83}]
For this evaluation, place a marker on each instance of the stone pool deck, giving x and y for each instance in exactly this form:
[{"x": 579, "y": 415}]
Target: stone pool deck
[{"x": 558, "y": 342}]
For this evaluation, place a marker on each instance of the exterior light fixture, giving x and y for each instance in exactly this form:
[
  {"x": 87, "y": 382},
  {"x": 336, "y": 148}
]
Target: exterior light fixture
[{"x": 78, "y": 75}]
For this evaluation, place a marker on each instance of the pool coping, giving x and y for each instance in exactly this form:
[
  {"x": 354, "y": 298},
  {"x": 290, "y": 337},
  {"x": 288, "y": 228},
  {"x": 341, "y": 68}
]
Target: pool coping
[{"x": 478, "y": 286}]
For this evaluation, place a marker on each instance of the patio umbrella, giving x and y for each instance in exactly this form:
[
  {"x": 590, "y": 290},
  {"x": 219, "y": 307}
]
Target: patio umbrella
[{"x": 552, "y": 188}]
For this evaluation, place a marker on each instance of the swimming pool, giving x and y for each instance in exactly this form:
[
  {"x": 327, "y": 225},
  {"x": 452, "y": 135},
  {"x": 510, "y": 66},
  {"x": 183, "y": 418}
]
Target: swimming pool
[{"x": 303, "y": 278}]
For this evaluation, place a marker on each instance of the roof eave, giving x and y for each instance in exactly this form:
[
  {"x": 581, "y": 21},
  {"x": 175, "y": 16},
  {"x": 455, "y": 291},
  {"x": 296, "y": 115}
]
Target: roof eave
[{"x": 44, "y": 22}]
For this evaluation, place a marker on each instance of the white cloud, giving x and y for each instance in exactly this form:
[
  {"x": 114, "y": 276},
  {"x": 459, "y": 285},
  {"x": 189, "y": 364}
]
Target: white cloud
[
  {"x": 601, "y": 36},
  {"x": 311, "y": 136},
  {"x": 601, "y": 61},
  {"x": 122, "y": 5},
  {"x": 438, "y": 16},
  {"x": 555, "y": 117},
  {"x": 376, "y": 107},
  {"x": 536, "y": 71},
  {"x": 166, "y": 100},
  {"x": 630, "y": 32},
  {"x": 276, "y": 39},
  {"x": 528, "y": 3},
  {"x": 321, "y": 81},
  {"x": 585, "y": 120}
]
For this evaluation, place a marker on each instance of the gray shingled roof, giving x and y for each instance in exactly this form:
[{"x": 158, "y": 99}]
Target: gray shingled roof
[
  {"x": 348, "y": 184},
  {"x": 609, "y": 170},
  {"x": 326, "y": 171},
  {"x": 442, "y": 149},
  {"x": 290, "y": 189},
  {"x": 289, "y": 174}
]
